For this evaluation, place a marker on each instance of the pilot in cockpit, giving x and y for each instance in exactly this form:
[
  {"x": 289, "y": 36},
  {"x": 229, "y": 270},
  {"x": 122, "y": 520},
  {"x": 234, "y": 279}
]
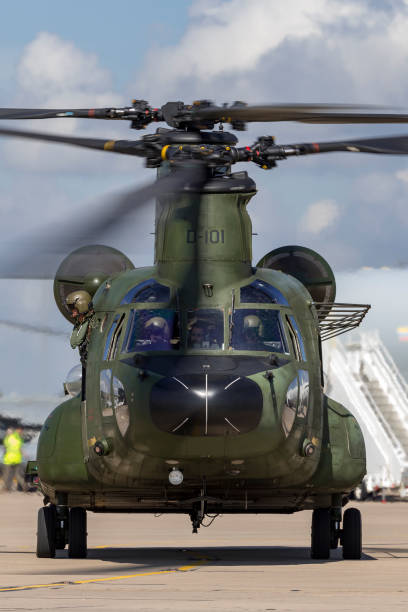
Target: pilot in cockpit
[
  {"x": 196, "y": 337},
  {"x": 252, "y": 332},
  {"x": 158, "y": 333}
]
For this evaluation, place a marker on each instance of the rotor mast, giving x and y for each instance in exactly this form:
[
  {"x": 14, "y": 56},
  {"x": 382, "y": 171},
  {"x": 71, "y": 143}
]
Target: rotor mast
[{"x": 206, "y": 225}]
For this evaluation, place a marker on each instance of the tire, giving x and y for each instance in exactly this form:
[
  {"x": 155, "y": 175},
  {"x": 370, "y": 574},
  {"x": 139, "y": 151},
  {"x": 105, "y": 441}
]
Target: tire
[
  {"x": 334, "y": 534},
  {"x": 321, "y": 532},
  {"x": 46, "y": 524},
  {"x": 351, "y": 536},
  {"x": 60, "y": 539},
  {"x": 77, "y": 548}
]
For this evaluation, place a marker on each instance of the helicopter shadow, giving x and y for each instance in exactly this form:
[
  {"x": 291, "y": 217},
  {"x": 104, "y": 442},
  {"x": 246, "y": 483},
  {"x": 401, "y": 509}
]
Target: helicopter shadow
[{"x": 159, "y": 558}]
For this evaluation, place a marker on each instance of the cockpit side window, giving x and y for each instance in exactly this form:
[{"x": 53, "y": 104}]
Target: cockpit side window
[
  {"x": 112, "y": 340},
  {"x": 152, "y": 330},
  {"x": 147, "y": 291},
  {"x": 260, "y": 292},
  {"x": 296, "y": 338},
  {"x": 109, "y": 337},
  {"x": 205, "y": 329},
  {"x": 114, "y": 345},
  {"x": 258, "y": 330}
]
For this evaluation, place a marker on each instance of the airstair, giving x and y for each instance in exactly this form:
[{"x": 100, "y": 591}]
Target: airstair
[{"x": 362, "y": 375}]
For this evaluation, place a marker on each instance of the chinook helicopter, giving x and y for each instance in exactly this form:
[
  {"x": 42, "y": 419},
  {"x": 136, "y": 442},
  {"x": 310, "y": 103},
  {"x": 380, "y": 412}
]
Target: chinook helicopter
[{"x": 203, "y": 387}]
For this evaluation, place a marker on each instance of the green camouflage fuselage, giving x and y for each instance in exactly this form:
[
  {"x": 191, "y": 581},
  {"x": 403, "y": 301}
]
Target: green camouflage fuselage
[{"x": 203, "y": 257}]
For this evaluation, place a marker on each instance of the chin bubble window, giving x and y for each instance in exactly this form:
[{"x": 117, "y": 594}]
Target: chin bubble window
[
  {"x": 258, "y": 330},
  {"x": 105, "y": 392},
  {"x": 120, "y": 405},
  {"x": 113, "y": 400},
  {"x": 152, "y": 330},
  {"x": 290, "y": 406},
  {"x": 205, "y": 329}
]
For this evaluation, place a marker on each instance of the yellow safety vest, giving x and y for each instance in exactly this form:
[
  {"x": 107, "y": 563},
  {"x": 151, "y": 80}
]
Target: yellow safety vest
[{"x": 13, "y": 443}]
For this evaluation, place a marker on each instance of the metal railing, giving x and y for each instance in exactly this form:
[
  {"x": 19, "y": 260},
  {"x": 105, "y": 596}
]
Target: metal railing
[
  {"x": 335, "y": 318},
  {"x": 379, "y": 366}
]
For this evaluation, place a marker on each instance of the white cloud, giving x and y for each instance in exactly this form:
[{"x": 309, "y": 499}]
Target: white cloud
[
  {"x": 319, "y": 216},
  {"x": 235, "y": 36},
  {"x": 265, "y": 50},
  {"x": 402, "y": 175},
  {"x": 54, "y": 73}
]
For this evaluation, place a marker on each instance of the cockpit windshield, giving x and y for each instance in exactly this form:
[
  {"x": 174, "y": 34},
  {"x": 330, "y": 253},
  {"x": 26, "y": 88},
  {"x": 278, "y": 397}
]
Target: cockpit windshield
[
  {"x": 255, "y": 329},
  {"x": 152, "y": 330},
  {"x": 147, "y": 291},
  {"x": 205, "y": 329},
  {"x": 261, "y": 292}
]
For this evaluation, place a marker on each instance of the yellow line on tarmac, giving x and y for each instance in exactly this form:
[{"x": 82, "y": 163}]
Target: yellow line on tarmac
[
  {"x": 184, "y": 568},
  {"x": 33, "y": 586}
]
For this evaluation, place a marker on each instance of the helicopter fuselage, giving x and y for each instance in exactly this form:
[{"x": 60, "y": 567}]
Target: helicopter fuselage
[{"x": 228, "y": 393}]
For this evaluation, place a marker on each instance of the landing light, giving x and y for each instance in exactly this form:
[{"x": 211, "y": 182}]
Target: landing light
[{"x": 176, "y": 477}]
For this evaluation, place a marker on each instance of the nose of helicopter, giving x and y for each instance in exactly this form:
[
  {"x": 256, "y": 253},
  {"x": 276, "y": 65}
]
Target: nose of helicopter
[{"x": 206, "y": 405}]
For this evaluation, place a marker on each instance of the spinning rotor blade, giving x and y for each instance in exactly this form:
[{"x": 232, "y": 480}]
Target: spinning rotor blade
[
  {"x": 177, "y": 114},
  {"x": 389, "y": 145},
  {"x": 305, "y": 113},
  {"x": 37, "y": 329},
  {"x": 51, "y": 113},
  {"x": 42, "y": 254},
  {"x": 127, "y": 147},
  {"x": 266, "y": 153}
]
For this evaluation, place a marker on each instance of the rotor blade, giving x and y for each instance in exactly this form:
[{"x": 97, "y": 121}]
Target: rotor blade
[
  {"x": 127, "y": 147},
  {"x": 305, "y": 113},
  {"x": 50, "y": 113},
  {"x": 389, "y": 145},
  {"x": 43, "y": 253},
  {"x": 37, "y": 329}
]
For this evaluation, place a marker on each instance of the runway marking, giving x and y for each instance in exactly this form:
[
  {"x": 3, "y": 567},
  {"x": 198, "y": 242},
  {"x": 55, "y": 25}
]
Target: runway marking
[{"x": 183, "y": 568}]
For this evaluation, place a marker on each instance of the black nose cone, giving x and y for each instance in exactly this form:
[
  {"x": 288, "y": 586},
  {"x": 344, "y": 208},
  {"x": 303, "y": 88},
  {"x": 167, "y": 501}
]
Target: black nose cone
[{"x": 201, "y": 404}]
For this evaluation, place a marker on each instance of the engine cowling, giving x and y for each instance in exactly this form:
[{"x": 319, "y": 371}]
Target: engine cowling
[
  {"x": 307, "y": 266},
  {"x": 87, "y": 268}
]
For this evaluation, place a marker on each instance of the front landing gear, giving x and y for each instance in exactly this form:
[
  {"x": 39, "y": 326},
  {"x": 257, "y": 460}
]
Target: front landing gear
[
  {"x": 57, "y": 526},
  {"x": 320, "y": 546},
  {"x": 77, "y": 548},
  {"x": 46, "y": 532},
  {"x": 351, "y": 534},
  {"x": 326, "y": 533}
]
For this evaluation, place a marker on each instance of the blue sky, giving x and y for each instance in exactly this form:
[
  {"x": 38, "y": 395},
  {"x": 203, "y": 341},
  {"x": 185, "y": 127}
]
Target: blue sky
[
  {"x": 352, "y": 209},
  {"x": 120, "y": 35}
]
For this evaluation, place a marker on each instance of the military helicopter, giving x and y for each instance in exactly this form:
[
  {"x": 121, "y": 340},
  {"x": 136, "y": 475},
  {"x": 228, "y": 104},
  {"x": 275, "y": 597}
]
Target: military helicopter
[{"x": 203, "y": 387}]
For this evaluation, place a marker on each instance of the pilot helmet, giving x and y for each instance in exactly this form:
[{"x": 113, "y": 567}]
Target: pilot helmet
[
  {"x": 79, "y": 300},
  {"x": 252, "y": 325},
  {"x": 157, "y": 326}
]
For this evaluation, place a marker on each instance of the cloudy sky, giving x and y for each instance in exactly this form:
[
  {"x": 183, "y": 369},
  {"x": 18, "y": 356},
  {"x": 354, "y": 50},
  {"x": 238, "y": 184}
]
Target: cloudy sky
[{"x": 351, "y": 208}]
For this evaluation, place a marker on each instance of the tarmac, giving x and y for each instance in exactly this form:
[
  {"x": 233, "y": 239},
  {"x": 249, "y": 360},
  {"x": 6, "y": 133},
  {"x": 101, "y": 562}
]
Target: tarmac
[{"x": 239, "y": 563}]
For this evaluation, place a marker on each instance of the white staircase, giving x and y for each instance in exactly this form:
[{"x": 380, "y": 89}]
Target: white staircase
[{"x": 362, "y": 375}]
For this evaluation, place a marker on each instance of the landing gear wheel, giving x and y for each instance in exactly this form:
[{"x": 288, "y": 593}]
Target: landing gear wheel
[
  {"x": 351, "y": 536},
  {"x": 61, "y": 527},
  {"x": 60, "y": 534},
  {"x": 46, "y": 528},
  {"x": 320, "y": 548},
  {"x": 334, "y": 534},
  {"x": 77, "y": 533}
]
